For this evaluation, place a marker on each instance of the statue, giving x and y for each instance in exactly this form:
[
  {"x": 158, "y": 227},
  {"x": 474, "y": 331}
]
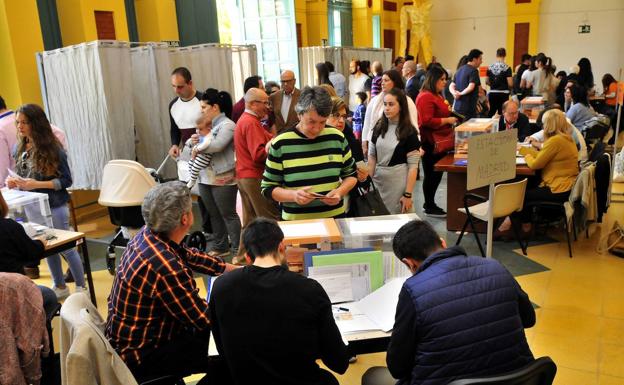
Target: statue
[{"x": 415, "y": 18}]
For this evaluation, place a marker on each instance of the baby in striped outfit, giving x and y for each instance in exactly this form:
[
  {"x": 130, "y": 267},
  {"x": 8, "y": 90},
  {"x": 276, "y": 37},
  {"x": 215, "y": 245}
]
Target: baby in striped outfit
[{"x": 199, "y": 160}]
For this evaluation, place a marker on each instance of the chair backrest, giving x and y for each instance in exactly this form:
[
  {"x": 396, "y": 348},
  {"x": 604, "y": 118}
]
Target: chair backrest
[
  {"x": 539, "y": 372},
  {"x": 124, "y": 183},
  {"x": 508, "y": 198},
  {"x": 82, "y": 334}
]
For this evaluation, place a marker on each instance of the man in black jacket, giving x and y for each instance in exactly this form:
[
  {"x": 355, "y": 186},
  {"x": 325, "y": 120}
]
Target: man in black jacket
[
  {"x": 270, "y": 324},
  {"x": 457, "y": 316}
]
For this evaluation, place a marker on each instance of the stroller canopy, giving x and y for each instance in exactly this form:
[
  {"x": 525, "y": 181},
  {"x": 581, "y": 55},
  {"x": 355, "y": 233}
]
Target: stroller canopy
[{"x": 124, "y": 184}]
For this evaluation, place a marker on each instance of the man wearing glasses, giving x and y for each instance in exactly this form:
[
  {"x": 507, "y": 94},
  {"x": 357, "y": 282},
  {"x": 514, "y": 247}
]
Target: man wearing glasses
[
  {"x": 284, "y": 101},
  {"x": 250, "y": 140}
]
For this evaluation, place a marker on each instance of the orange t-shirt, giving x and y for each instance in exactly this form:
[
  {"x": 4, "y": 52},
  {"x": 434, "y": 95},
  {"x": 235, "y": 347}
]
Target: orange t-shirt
[{"x": 612, "y": 89}]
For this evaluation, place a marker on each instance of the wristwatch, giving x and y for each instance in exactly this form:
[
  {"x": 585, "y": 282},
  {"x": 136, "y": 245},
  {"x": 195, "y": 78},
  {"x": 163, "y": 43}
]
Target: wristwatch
[{"x": 407, "y": 194}]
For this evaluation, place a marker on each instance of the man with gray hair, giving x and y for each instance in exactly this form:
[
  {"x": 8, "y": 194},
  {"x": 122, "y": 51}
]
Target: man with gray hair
[
  {"x": 157, "y": 321},
  {"x": 309, "y": 168},
  {"x": 250, "y": 141},
  {"x": 284, "y": 102}
]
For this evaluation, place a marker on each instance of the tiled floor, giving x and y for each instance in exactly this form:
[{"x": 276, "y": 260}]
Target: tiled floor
[{"x": 580, "y": 319}]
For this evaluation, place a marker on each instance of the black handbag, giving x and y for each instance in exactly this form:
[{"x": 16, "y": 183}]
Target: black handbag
[{"x": 369, "y": 203}]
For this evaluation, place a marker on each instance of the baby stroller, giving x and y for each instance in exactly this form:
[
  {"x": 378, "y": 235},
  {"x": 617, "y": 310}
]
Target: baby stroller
[{"x": 124, "y": 185}]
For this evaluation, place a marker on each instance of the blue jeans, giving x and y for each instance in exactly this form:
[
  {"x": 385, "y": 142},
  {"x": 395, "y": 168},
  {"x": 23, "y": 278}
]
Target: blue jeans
[{"x": 60, "y": 220}]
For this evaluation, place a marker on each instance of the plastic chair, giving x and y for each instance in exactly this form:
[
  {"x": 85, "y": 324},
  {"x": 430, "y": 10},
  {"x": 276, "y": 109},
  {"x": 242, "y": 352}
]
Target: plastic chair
[
  {"x": 539, "y": 372},
  {"x": 508, "y": 199}
]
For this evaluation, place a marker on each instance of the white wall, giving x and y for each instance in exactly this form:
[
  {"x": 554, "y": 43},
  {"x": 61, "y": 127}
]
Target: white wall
[
  {"x": 604, "y": 46},
  {"x": 460, "y": 25},
  {"x": 457, "y": 26}
]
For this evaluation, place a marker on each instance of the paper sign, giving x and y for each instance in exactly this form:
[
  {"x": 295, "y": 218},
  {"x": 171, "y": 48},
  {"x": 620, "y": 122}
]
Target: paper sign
[{"x": 491, "y": 158}]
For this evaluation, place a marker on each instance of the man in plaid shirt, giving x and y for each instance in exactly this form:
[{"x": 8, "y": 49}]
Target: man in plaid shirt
[{"x": 157, "y": 321}]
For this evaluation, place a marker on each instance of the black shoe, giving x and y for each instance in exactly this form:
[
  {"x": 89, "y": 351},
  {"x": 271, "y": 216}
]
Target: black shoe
[
  {"x": 435, "y": 212},
  {"x": 68, "y": 276}
]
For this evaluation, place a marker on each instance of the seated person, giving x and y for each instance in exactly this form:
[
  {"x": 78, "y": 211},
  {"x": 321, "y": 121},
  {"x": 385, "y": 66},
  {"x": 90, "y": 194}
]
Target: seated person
[
  {"x": 157, "y": 321},
  {"x": 512, "y": 118},
  {"x": 309, "y": 169},
  {"x": 580, "y": 112},
  {"x": 537, "y": 139},
  {"x": 558, "y": 161},
  {"x": 271, "y": 324},
  {"x": 19, "y": 250},
  {"x": 199, "y": 159},
  {"x": 458, "y": 316},
  {"x": 24, "y": 337}
]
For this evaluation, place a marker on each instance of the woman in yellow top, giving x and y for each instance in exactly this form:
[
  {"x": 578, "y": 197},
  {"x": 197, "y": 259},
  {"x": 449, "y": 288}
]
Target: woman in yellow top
[{"x": 558, "y": 161}]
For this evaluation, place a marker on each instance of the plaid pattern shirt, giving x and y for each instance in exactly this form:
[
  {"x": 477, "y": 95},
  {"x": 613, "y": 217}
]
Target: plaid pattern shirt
[{"x": 154, "y": 296}]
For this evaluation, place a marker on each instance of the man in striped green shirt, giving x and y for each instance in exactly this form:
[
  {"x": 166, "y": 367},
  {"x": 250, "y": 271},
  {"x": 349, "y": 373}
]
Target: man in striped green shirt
[{"x": 309, "y": 168}]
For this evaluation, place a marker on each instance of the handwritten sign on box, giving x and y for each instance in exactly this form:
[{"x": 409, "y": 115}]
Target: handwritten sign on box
[{"x": 491, "y": 158}]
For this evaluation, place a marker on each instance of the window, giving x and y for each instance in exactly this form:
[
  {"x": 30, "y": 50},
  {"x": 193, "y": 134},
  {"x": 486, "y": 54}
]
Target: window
[
  {"x": 270, "y": 25},
  {"x": 336, "y": 36},
  {"x": 376, "y": 31},
  {"x": 339, "y": 23}
]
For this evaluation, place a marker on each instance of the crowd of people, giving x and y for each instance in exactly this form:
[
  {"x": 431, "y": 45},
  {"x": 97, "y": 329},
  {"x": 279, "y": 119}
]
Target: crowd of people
[{"x": 302, "y": 154}]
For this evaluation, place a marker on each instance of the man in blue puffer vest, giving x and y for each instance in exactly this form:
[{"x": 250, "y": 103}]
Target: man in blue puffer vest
[{"x": 457, "y": 316}]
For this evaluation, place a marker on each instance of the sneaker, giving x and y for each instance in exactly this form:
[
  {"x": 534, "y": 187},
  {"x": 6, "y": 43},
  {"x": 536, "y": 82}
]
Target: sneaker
[
  {"x": 435, "y": 212},
  {"x": 190, "y": 184},
  {"x": 61, "y": 293},
  {"x": 82, "y": 289}
]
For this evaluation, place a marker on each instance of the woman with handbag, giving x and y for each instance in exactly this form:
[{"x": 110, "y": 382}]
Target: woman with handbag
[
  {"x": 338, "y": 119},
  {"x": 394, "y": 153},
  {"x": 436, "y": 133}
]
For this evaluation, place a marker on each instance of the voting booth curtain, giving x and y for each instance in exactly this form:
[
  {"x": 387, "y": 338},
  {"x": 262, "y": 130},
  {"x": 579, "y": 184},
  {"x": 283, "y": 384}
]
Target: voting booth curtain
[
  {"x": 88, "y": 96},
  {"x": 112, "y": 100},
  {"x": 340, "y": 57}
]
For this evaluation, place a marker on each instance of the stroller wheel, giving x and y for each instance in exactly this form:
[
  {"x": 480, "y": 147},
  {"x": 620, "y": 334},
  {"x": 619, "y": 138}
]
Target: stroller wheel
[{"x": 197, "y": 240}]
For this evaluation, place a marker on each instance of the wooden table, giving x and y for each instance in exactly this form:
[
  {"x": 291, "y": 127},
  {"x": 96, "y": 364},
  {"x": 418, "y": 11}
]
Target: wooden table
[
  {"x": 66, "y": 240},
  {"x": 456, "y": 188}
]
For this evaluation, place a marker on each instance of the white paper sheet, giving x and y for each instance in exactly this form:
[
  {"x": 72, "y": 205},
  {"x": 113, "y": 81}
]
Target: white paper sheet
[
  {"x": 353, "y": 321},
  {"x": 292, "y": 230},
  {"x": 337, "y": 286},
  {"x": 521, "y": 161},
  {"x": 380, "y": 305},
  {"x": 376, "y": 226},
  {"x": 357, "y": 275}
]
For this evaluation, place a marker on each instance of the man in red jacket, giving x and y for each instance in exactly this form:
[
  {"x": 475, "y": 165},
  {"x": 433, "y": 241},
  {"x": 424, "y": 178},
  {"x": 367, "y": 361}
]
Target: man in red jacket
[{"x": 250, "y": 140}]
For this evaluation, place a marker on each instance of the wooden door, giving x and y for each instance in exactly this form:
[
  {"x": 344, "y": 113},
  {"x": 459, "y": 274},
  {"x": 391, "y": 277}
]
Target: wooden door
[
  {"x": 105, "y": 25},
  {"x": 389, "y": 40},
  {"x": 521, "y": 41}
]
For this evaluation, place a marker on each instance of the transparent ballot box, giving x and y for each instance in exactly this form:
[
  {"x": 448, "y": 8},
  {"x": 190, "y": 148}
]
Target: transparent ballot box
[
  {"x": 532, "y": 106},
  {"x": 28, "y": 207},
  {"x": 376, "y": 232},
  {"x": 466, "y": 130}
]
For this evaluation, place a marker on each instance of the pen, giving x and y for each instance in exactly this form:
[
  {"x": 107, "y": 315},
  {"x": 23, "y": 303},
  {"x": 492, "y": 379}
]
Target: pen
[{"x": 343, "y": 308}]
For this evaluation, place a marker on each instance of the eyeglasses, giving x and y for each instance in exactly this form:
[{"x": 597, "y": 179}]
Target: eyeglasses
[
  {"x": 338, "y": 116},
  {"x": 283, "y": 81},
  {"x": 266, "y": 103}
]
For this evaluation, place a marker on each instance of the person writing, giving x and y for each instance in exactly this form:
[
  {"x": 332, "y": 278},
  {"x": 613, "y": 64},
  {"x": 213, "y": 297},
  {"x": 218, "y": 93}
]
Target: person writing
[
  {"x": 558, "y": 161},
  {"x": 270, "y": 324},
  {"x": 458, "y": 316}
]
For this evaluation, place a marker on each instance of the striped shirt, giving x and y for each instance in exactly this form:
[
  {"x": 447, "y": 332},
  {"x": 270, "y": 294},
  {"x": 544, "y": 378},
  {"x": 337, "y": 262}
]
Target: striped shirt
[
  {"x": 295, "y": 161},
  {"x": 154, "y": 296}
]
